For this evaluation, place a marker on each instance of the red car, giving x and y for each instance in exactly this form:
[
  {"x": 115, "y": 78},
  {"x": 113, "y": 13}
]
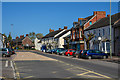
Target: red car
[{"x": 69, "y": 52}]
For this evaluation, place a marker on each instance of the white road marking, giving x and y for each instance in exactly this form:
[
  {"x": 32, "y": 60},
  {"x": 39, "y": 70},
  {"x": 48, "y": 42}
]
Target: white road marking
[
  {"x": 6, "y": 64},
  {"x": 13, "y": 69}
]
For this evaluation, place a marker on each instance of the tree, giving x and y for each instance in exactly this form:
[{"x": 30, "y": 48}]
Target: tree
[
  {"x": 32, "y": 35},
  {"x": 39, "y": 35},
  {"x": 9, "y": 37},
  {"x": 90, "y": 37},
  {"x": 67, "y": 41}
]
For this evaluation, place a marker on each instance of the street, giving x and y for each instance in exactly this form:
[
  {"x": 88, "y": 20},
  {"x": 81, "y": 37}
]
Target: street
[{"x": 36, "y": 64}]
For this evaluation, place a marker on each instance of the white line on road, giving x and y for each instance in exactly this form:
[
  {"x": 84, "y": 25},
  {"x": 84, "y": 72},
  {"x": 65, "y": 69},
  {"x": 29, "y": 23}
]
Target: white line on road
[
  {"x": 6, "y": 64},
  {"x": 13, "y": 69}
]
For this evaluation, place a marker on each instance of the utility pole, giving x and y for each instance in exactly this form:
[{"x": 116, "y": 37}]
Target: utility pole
[{"x": 110, "y": 33}]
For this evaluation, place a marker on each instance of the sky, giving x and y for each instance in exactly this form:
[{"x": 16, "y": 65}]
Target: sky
[{"x": 39, "y": 17}]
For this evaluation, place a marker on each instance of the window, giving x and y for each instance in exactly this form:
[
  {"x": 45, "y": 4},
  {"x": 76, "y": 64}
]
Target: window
[
  {"x": 80, "y": 34},
  {"x": 94, "y": 32},
  {"x": 73, "y": 35},
  {"x": 103, "y": 32},
  {"x": 99, "y": 33},
  {"x": 77, "y": 33},
  {"x": 90, "y": 22},
  {"x": 109, "y": 31}
]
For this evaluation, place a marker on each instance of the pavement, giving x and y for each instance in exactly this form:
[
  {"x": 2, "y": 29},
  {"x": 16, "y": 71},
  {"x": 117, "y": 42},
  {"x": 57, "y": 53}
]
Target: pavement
[{"x": 36, "y": 65}]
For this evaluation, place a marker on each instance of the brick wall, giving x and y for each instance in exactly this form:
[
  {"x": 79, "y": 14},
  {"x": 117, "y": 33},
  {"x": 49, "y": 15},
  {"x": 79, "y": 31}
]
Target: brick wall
[{"x": 26, "y": 40}]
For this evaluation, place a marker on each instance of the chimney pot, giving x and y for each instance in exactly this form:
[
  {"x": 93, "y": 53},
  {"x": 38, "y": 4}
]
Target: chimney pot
[
  {"x": 108, "y": 15},
  {"x": 26, "y": 34},
  {"x": 59, "y": 28},
  {"x": 65, "y": 27}
]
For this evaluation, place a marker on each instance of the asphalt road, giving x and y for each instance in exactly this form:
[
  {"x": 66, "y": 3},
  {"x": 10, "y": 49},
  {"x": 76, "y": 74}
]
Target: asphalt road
[{"x": 43, "y": 65}]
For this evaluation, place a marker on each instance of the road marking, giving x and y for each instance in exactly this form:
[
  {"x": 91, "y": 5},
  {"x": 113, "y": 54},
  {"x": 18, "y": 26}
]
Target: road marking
[
  {"x": 6, "y": 64},
  {"x": 87, "y": 71},
  {"x": 83, "y": 73},
  {"x": 13, "y": 69},
  {"x": 16, "y": 72}
]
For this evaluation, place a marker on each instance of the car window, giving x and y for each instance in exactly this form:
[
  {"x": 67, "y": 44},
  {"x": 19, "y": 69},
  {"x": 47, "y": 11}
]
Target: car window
[
  {"x": 98, "y": 51},
  {"x": 4, "y": 49}
]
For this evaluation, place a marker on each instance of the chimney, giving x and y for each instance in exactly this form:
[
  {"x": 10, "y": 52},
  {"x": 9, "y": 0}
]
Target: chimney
[
  {"x": 65, "y": 27},
  {"x": 26, "y": 34},
  {"x": 50, "y": 30},
  {"x": 17, "y": 37},
  {"x": 99, "y": 13},
  {"x": 108, "y": 15},
  {"x": 80, "y": 19},
  {"x": 59, "y": 28},
  {"x": 21, "y": 36}
]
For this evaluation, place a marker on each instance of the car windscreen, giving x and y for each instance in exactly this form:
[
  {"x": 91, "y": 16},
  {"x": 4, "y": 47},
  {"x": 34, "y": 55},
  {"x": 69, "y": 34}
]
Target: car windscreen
[{"x": 4, "y": 49}]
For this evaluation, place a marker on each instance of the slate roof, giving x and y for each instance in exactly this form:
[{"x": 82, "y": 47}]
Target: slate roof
[
  {"x": 117, "y": 24},
  {"x": 87, "y": 19},
  {"x": 62, "y": 33},
  {"x": 52, "y": 34},
  {"x": 104, "y": 22}
]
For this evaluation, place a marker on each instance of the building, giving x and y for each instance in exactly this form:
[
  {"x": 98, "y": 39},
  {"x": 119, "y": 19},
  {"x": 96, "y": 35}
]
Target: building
[
  {"x": 101, "y": 30},
  {"x": 116, "y": 32},
  {"x": 77, "y": 30},
  {"x": 60, "y": 38},
  {"x": 48, "y": 39},
  {"x": 1, "y": 41},
  {"x": 23, "y": 42},
  {"x": 37, "y": 43}
]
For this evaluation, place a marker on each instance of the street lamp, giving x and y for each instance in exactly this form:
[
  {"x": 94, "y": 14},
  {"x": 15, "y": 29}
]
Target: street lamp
[{"x": 99, "y": 39}]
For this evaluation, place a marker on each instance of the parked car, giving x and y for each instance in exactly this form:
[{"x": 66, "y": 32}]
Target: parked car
[
  {"x": 48, "y": 51},
  {"x": 13, "y": 52},
  {"x": 6, "y": 52},
  {"x": 58, "y": 50},
  {"x": 93, "y": 54},
  {"x": 69, "y": 52},
  {"x": 77, "y": 53},
  {"x": 62, "y": 52},
  {"x": 53, "y": 51}
]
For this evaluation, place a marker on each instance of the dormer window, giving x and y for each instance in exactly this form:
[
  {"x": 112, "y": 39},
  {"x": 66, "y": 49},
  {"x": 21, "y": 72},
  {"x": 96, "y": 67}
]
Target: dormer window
[{"x": 90, "y": 22}]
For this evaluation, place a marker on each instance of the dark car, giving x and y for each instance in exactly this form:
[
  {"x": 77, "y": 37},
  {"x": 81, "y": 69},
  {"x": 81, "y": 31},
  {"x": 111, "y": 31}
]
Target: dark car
[
  {"x": 62, "y": 52},
  {"x": 77, "y": 53},
  {"x": 13, "y": 52},
  {"x": 93, "y": 54},
  {"x": 6, "y": 52},
  {"x": 48, "y": 51},
  {"x": 53, "y": 51},
  {"x": 59, "y": 49}
]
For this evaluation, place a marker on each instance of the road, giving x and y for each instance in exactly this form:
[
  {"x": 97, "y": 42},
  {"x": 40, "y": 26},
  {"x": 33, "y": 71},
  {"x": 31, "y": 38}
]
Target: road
[{"x": 35, "y": 65}]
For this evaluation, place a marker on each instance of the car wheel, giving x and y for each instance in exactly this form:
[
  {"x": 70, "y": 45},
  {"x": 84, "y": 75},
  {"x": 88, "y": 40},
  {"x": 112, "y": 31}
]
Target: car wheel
[
  {"x": 104, "y": 57},
  {"x": 68, "y": 54},
  {"x": 89, "y": 57}
]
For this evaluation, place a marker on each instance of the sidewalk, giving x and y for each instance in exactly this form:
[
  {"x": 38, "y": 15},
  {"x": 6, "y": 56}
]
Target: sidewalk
[{"x": 115, "y": 59}]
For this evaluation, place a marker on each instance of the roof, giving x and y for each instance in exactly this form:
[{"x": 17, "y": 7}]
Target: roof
[
  {"x": 117, "y": 23},
  {"x": 19, "y": 39},
  {"x": 87, "y": 19},
  {"x": 62, "y": 33},
  {"x": 52, "y": 34},
  {"x": 104, "y": 22}
]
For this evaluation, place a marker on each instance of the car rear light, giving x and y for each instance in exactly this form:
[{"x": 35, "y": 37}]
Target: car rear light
[
  {"x": 86, "y": 54},
  {"x": 7, "y": 52}
]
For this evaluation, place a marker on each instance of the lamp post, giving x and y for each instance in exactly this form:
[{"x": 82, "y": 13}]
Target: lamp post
[
  {"x": 99, "y": 39},
  {"x": 110, "y": 33}
]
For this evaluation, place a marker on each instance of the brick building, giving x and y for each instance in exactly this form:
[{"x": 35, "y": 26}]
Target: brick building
[
  {"x": 23, "y": 42},
  {"x": 78, "y": 28}
]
